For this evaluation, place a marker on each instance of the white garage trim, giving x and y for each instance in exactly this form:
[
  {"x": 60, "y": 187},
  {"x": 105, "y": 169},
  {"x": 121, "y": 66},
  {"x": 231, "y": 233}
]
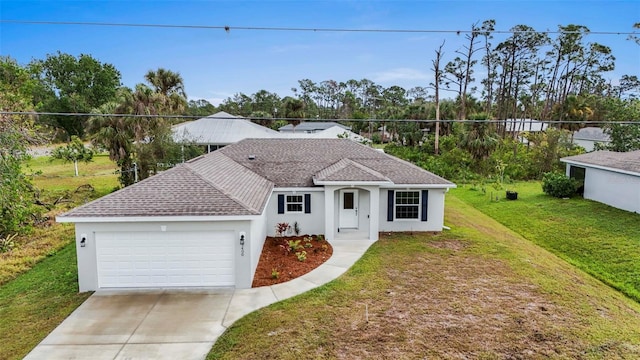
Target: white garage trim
[{"x": 165, "y": 259}]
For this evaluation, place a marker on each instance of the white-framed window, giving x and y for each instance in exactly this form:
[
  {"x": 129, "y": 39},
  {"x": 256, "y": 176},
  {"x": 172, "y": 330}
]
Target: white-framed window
[
  {"x": 294, "y": 203},
  {"x": 407, "y": 205}
]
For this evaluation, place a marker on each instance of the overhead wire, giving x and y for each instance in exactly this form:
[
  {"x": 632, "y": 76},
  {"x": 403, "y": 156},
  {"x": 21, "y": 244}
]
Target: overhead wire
[
  {"x": 156, "y": 116},
  {"x": 228, "y": 28}
]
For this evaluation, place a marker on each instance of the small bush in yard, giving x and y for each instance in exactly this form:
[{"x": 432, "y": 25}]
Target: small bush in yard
[
  {"x": 302, "y": 255},
  {"x": 558, "y": 185},
  {"x": 7, "y": 243}
]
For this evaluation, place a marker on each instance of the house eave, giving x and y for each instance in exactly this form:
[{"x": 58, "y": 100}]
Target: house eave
[
  {"x": 422, "y": 186},
  {"x": 600, "y": 167},
  {"x": 145, "y": 219},
  {"x": 352, "y": 183}
]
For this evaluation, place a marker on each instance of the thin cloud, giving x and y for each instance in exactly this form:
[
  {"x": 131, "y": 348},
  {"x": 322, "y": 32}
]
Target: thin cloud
[{"x": 400, "y": 74}]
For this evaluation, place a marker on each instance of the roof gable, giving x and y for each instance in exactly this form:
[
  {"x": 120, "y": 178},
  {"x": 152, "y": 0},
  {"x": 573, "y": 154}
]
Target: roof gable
[{"x": 349, "y": 170}]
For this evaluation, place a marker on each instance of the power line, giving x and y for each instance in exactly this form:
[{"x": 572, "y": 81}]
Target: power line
[
  {"x": 228, "y": 28},
  {"x": 492, "y": 121}
]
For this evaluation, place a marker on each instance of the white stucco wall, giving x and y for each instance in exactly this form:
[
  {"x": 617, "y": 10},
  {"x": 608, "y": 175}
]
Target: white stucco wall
[
  {"x": 87, "y": 264},
  {"x": 312, "y": 223},
  {"x": 615, "y": 189},
  {"x": 435, "y": 215},
  {"x": 258, "y": 235}
]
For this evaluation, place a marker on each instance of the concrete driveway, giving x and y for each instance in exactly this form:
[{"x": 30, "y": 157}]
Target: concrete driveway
[{"x": 174, "y": 323}]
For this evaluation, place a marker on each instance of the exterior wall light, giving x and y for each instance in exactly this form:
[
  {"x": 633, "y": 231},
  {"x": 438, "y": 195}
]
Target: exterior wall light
[{"x": 242, "y": 236}]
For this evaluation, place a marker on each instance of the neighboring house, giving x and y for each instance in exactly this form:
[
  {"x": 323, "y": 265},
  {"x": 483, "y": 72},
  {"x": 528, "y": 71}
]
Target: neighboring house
[
  {"x": 220, "y": 129},
  {"x": 588, "y": 137},
  {"x": 612, "y": 178},
  {"x": 520, "y": 125},
  {"x": 333, "y": 132},
  {"x": 311, "y": 127},
  {"x": 203, "y": 223}
]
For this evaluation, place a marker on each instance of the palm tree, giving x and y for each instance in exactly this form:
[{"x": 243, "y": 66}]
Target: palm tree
[
  {"x": 480, "y": 139},
  {"x": 166, "y": 82},
  {"x": 293, "y": 110},
  {"x": 115, "y": 134},
  {"x": 170, "y": 86}
]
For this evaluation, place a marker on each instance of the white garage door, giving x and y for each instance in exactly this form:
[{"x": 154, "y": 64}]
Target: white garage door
[{"x": 165, "y": 259}]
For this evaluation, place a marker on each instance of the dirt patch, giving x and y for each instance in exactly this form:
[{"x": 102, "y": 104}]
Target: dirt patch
[
  {"x": 281, "y": 262},
  {"x": 455, "y": 245}
]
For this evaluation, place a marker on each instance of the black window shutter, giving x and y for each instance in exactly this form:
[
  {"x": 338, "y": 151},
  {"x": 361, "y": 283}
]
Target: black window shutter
[
  {"x": 307, "y": 203},
  {"x": 280, "y": 203},
  {"x": 390, "y": 205},
  {"x": 425, "y": 204}
]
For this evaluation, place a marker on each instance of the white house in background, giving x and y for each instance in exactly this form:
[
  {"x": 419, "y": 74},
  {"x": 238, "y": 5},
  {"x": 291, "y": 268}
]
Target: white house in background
[
  {"x": 311, "y": 127},
  {"x": 612, "y": 178},
  {"x": 220, "y": 129},
  {"x": 588, "y": 137},
  {"x": 333, "y": 132},
  {"x": 520, "y": 125},
  {"x": 204, "y": 222}
]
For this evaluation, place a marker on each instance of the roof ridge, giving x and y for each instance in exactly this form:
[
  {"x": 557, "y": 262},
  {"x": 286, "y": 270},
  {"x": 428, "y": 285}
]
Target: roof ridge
[{"x": 226, "y": 192}]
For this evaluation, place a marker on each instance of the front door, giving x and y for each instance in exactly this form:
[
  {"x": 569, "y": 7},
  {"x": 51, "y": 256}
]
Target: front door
[{"x": 349, "y": 209}]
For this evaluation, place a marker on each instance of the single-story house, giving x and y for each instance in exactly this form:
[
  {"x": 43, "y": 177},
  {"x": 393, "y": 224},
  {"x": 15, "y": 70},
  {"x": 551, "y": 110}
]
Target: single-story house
[
  {"x": 589, "y": 136},
  {"x": 220, "y": 129},
  {"x": 204, "y": 222},
  {"x": 333, "y": 132},
  {"x": 311, "y": 127},
  {"x": 612, "y": 178}
]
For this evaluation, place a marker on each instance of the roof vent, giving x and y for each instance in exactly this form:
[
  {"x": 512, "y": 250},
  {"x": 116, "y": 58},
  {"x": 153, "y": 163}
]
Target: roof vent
[{"x": 252, "y": 157}]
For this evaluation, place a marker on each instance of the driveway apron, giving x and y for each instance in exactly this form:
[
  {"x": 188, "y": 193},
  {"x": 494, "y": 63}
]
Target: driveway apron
[{"x": 174, "y": 323}]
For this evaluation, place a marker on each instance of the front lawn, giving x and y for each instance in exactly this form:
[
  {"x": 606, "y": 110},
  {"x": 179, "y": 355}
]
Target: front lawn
[
  {"x": 599, "y": 239},
  {"x": 477, "y": 291},
  {"x": 36, "y": 302}
]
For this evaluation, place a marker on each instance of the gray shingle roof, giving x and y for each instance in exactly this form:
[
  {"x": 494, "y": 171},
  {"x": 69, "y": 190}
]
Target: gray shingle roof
[
  {"x": 591, "y": 133},
  {"x": 294, "y": 162},
  {"x": 238, "y": 179},
  {"x": 627, "y": 161},
  {"x": 348, "y": 170},
  {"x": 211, "y": 185}
]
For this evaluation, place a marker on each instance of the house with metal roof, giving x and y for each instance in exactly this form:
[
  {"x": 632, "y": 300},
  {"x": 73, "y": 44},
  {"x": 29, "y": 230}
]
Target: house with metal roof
[
  {"x": 612, "y": 178},
  {"x": 204, "y": 222},
  {"x": 220, "y": 129},
  {"x": 311, "y": 127}
]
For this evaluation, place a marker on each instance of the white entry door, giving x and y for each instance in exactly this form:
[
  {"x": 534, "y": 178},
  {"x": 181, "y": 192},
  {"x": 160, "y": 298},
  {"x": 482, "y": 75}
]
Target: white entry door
[
  {"x": 349, "y": 209},
  {"x": 165, "y": 259}
]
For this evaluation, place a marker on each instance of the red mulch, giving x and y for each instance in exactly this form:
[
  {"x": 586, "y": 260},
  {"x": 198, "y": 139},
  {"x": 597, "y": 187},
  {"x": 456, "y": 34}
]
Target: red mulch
[{"x": 287, "y": 265}]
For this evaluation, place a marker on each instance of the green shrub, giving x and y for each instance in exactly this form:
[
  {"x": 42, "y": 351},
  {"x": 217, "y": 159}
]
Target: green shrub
[{"x": 558, "y": 185}]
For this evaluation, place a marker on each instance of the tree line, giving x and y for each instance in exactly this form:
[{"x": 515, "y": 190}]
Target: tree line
[{"x": 562, "y": 79}]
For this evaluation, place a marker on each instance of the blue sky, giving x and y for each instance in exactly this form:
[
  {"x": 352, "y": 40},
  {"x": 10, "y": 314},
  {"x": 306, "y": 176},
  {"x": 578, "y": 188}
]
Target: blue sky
[{"x": 216, "y": 64}]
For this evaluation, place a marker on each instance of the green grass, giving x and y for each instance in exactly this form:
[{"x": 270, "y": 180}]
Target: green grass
[
  {"x": 599, "y": 239},
  {"x": 57, "y": 176},
  {"x": 36, "y": 302},
  {"x": 478, "y": 291}
]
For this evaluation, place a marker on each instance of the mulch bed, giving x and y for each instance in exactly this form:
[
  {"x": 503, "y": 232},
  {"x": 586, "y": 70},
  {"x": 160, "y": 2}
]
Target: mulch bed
[{"x": 277, "y": 265}]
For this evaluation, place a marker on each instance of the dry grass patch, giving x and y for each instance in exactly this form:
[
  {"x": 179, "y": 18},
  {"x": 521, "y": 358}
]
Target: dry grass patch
[{"x": 477, "y": 291}]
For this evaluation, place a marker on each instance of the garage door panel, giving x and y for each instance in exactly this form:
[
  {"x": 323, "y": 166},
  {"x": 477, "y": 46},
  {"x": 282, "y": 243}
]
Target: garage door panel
[{"x": 165, "y": 259}]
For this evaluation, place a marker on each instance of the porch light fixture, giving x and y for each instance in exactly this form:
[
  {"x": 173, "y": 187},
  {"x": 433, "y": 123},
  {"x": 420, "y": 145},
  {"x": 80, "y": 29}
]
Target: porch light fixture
[
  {"x": 83, "y": 241},
  {"x": 242, "y": 235}
]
